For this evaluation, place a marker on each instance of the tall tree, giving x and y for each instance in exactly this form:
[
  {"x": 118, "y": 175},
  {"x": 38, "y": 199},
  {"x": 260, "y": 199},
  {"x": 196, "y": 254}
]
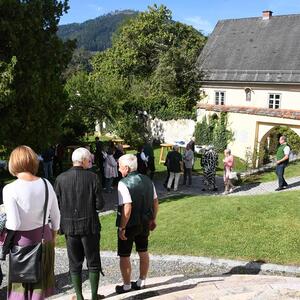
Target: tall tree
[
  {"x": 33, "y": 115},
  {"x": 155, "y": 58}
]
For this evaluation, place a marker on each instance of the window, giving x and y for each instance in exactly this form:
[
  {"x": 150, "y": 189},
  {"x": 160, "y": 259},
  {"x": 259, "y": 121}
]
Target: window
[
  {"x": 219, "y": 98},
  {"x": 248, "y": 94},
  {"x": 274, "y": 101}
]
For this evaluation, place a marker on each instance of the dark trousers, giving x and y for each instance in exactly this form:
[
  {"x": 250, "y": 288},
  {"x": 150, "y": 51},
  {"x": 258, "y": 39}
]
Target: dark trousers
[
  {"x": 187, "y": 173},
  {"x": 83, "y": 246},
  {"x": 280, "y": 172}
]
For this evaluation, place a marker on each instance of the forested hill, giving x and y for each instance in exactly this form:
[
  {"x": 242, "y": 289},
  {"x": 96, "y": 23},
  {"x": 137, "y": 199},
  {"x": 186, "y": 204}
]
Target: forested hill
[{"x": 95, "y": 35}]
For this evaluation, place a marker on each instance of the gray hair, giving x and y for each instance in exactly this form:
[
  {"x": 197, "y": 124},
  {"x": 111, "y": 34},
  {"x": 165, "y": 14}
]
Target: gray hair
[
  {"x": 283, "y": 137},
  {"x": 80, "y": 154},
  {"x": 129, "y": 160},
  {"x": 228, "y": 151}
]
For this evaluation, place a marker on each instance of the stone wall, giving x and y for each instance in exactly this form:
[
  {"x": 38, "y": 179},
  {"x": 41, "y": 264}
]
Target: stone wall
[{"x": 172, "y": 130}]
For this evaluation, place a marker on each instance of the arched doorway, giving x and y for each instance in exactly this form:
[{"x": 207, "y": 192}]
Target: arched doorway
[{"x": 269, "y": 142}]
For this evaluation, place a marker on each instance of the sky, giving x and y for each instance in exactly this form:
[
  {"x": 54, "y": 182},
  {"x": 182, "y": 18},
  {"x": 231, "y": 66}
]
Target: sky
[{"x": 202, "y": 14}]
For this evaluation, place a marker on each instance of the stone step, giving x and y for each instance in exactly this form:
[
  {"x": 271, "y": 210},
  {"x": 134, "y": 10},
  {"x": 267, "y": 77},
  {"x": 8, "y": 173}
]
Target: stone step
[{"x": 233, "y": 287}]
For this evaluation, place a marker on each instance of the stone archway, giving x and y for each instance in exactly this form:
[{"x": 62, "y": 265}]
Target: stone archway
[{"x": 264, "y": 138}]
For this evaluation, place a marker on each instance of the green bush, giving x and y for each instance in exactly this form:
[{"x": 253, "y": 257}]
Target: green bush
[{"x": 214, "y": 132}]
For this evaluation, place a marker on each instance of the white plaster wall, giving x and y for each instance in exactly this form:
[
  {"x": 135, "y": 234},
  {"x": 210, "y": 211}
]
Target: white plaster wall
[
  {"x": 172, "y": 130},
  {"x": 290, "y": 97},
  {"x": 244, "y": 129}
]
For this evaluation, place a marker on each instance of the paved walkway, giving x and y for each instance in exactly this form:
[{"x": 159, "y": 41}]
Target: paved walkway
[
  {"x": 247, "y": 189},
  {"x": 234, "y": 287}
]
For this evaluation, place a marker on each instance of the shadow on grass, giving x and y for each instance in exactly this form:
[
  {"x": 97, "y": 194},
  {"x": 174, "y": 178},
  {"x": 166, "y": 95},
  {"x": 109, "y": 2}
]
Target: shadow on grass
[
  {"x": 171, "y": 198},
  {"x": 251, "y": 268}
]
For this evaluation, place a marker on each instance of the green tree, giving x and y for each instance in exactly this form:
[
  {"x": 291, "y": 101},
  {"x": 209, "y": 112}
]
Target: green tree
[
  {"x": 154, "y": 58},
  {"x": 34, "y": 113}
]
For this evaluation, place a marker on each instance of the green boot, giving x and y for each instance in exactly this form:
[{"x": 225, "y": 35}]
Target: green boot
[
  {"x": 94, "y": 280},
  {"x": 77, "y": 284}
]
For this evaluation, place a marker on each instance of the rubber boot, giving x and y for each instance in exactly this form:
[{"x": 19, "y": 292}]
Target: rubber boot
[
  {"x": 77, "y": 284},
  {"x": 94, "y": 281}
]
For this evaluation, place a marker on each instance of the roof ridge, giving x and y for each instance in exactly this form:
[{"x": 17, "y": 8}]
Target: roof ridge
[{"x": 259, "y": 18}]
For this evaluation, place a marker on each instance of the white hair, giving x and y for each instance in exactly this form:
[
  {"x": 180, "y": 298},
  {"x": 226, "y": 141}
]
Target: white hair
[
  {"x": 129, "y": 160},
  {"x": 228, "y": 151},
  {"x": 80, "y": 154}
]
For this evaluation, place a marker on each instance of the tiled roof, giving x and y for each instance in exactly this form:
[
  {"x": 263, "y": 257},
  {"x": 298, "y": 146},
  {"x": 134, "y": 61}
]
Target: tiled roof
[
  {"x": 278, "y": 113},
  {"x": 253, "y": 50}
]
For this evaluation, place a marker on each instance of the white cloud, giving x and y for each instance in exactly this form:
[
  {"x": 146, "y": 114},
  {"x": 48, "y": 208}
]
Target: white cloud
[{"x": 200, "y": 24}]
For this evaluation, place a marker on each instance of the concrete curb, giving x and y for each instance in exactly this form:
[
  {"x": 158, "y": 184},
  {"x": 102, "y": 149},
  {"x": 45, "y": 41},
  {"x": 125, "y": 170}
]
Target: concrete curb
[{"x": 226, "y": 264}]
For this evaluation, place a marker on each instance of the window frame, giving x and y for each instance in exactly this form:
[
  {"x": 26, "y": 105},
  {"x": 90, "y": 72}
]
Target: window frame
[
  {"x": 273, "y": 105},
  {"x": 219, "y": 99}
]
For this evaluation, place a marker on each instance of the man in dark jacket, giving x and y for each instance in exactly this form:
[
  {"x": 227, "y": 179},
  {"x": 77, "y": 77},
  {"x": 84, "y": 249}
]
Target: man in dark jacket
[
  {"x": 79, "y": 196},
  {"x": 175, "y": 166},
  {"x": 137, "y": 210}
]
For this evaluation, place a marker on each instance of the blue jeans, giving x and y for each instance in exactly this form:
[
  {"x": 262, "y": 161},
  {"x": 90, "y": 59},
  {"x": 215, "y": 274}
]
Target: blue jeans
[{"x": 280, "y": 172}]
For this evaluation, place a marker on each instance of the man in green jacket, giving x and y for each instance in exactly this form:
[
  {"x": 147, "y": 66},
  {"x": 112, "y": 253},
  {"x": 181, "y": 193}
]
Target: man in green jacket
[
  {"x": 137, "y": 211},
  {"x": 282, "y": 159}
]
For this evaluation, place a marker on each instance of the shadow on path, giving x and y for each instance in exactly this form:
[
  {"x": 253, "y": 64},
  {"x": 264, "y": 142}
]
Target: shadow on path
[{"x": 251, "y": 268}]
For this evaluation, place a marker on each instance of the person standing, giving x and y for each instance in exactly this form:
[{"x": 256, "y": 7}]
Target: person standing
[
  {"x": 228, "y": 165},
  {"x": 110, "y": 170},
  {"x": 174, "y": 163},
  {"x": 58, "y": 159},
  {"x": 188, "y": 161},
  {"x": 142, "y": 161},
  {"x": 282, "y": 160},
  {"x": 209, "y": 163},
  {"x": 48, "y": 156},
  {"x": 79, "y": 196},
  {"x": 24, "y": 201},
  {"x": 99, "y": 159},
  {"x": 149, "y": 152},
  {"x": 137, "y": 211}
]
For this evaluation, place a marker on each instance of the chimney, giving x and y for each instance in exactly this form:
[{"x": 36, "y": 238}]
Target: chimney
[{"x": 267, "y": 14}]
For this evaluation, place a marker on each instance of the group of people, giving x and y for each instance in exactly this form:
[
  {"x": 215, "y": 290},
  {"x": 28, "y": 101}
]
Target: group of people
[
  {"x": 177, "y": 163},
  {"x": 73, "y": 206}
]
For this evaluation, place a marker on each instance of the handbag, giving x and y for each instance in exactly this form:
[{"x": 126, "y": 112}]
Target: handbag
[
  {"x": 233, "y": 175},
  {"x": 25, "y": 262}
]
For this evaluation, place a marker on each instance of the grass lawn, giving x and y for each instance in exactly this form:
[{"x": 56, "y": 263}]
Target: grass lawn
[
  {"x": 250, "y": 228},
  {"x": 292, "y": 170}
]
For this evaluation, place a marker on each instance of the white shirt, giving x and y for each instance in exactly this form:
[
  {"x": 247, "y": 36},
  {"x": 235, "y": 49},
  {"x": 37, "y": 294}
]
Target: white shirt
[
  {"x": 124, "y": 195},
  {"x": 286, "y": 150},
  {"x": 24, "y": 203}
]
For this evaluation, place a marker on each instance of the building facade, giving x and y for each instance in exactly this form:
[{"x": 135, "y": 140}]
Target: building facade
[{"x": 251, "y": 70}]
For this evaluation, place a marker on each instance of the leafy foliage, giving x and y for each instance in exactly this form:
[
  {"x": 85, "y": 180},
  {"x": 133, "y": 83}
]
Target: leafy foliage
[
  {"x": 214, "y": 132},
  {"x": 33, "y": 113},
  {"x": 6, "y": 78},
  {"x": 95, "y": 35},
  {"x": 150, "y": 67}
]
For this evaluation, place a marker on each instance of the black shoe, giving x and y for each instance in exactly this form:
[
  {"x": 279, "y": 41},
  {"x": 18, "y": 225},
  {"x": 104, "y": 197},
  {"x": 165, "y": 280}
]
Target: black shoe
[
  {"x": 120, "y": 289},
  {"x": 285, "y": 186},
  {"x": 165, "y": 185},
  {"x": 168, "y": 189},
  {"x": 279, "y": 189},
  {"x": 134, "y": 286}
]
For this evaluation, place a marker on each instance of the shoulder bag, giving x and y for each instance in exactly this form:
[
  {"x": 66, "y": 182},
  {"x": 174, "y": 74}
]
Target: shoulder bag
[{"x": 25, "y": 262}]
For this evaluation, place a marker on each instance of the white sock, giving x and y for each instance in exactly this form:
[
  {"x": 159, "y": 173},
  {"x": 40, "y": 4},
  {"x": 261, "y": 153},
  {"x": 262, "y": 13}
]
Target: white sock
[
  {"x": 140, "y": 282},
  {"x": 127, "y": 287}
]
